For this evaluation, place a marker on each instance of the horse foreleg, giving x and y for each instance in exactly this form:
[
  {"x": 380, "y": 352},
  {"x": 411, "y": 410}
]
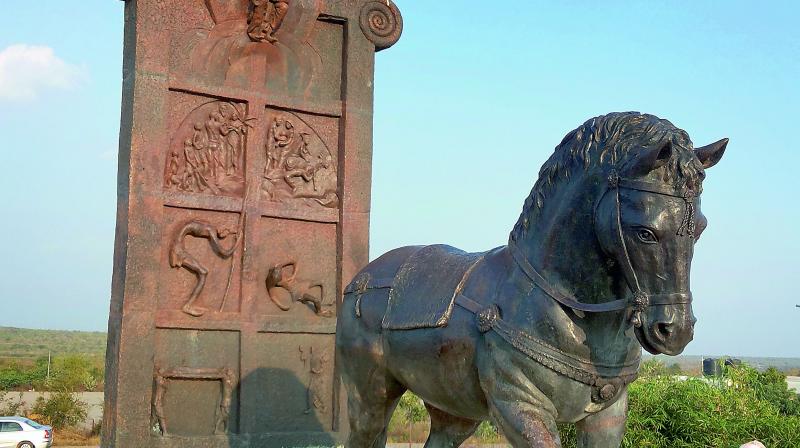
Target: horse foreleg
[
  {"x": 605, "y": 428},
  {"x": 525, "y": 425},
  {"x": 522, "y": 412}
]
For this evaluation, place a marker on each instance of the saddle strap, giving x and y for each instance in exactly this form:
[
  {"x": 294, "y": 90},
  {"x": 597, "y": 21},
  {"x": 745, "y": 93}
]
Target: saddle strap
[{"x": 606, "y": 380}]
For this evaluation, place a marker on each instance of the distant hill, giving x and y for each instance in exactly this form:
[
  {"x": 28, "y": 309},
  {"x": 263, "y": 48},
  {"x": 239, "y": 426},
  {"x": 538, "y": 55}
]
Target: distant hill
[
  {"x": 693, "y": 364},
  {"x": 26, "y": 344}
]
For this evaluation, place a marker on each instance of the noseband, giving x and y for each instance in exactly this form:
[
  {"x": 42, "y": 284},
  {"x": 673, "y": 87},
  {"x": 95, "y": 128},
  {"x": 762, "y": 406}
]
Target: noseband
[{"x": 640, "y": 300}]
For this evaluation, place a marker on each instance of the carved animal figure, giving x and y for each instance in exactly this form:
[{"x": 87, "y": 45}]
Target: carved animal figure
[
  {"x": 179, "y": 257},
  {"x": 298, "y": 290},
  {"x": 550, "y": 327}
]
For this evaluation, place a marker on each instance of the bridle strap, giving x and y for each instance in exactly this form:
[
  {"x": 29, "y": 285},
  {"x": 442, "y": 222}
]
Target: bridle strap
[
  {"x": 544, "y": 285},
  {"x": 640, "y": 300},
  {"x": 627, "y": 266},
  {"x": 652, "y": 187}
]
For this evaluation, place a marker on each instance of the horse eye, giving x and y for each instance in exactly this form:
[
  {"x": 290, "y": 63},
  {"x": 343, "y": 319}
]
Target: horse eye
[{"x": 646, "y": 236}]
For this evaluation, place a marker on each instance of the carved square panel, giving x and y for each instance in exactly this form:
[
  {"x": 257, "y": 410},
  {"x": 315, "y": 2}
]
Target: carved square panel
[
  {"x": 201, "y": 263},
  {"x": 195, "y": 383},
  {"x": 292, "y": 385},
  {"x": 301, "y": 161},
  {"x": 296, "y": 271},
  {"x": 208, "y": 139}
]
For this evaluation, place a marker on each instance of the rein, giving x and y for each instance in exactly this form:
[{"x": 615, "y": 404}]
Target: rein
[{"x": 640, "y": 300}]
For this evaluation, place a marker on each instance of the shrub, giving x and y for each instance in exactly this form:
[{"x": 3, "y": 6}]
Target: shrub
[
  {"x": 61, "y": 409},
  {"x": 411, "y": 409},
  {"x": 670, "y": 412},
  {"x": 771, "y": 386},
  {"x": 9, "y": 406},
  {"x": 666, "y": 412},
  {"x": 488, "y": 432}
]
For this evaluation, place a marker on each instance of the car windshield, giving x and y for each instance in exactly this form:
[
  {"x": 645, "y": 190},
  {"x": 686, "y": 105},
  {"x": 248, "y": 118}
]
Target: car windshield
[{"x": 32, "y": 424}]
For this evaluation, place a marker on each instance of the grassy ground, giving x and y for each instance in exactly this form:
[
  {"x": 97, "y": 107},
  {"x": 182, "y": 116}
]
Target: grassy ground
[
  {"x": 20, "y": 344},
  {"x": 66, "y": 437}
]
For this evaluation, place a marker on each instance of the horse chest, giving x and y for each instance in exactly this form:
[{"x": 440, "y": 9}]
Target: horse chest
[{"x": 510, "y": 375}]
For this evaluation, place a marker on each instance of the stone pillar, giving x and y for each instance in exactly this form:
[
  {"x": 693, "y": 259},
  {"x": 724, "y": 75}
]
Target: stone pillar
[{"x": 243, "y": 211}]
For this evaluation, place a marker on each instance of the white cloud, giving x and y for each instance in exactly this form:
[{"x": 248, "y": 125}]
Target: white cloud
[{"x": 27, "y": 70}]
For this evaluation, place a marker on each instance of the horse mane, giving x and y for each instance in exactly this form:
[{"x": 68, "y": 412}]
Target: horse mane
[{"x": 606, "y": 142}]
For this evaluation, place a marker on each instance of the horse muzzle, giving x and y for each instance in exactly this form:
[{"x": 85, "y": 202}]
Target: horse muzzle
[{"x": 666, "y": 329}]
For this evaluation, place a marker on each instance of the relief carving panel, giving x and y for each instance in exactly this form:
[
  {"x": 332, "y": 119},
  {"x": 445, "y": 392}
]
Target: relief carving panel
[
  {"x": 294, "y": 383},
  {"x": 180, "y": 257},
  {"x": 201, "y": 268},
  {"x": 224, "y": 377},
  {"x": 299, "y": 165},
  {"x": 195, "y": 383},
  {"x": 284, "y": 276},
  {"x": 207, "y": 150},
  {"x": 294, "y": 268}
]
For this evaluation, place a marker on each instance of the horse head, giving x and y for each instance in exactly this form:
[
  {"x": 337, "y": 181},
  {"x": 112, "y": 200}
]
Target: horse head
[
  {"x": 637, "y": 179},
  {"x": 647, "y": 221}
]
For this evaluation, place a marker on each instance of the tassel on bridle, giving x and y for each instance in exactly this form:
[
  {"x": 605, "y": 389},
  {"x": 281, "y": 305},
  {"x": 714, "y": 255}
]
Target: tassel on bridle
[{"x": 688, "y": 225}]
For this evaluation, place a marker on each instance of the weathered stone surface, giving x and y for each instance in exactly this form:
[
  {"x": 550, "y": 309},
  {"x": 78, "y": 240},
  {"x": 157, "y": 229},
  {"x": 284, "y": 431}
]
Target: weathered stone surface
[{"x": 243, "y": 209}]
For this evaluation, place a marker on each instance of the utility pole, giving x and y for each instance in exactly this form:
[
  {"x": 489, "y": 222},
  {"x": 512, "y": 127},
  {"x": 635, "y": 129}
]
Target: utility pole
[{"x": 49, "y": 352}]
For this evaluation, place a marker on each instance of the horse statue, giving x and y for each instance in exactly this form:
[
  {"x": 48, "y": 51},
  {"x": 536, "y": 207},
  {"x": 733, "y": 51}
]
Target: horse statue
[{"x": 548, "y": 328}]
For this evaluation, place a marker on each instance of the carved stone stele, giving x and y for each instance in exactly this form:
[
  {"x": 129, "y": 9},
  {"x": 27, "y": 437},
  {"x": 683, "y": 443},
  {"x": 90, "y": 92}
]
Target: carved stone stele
[{"x": 244, "y": 198}]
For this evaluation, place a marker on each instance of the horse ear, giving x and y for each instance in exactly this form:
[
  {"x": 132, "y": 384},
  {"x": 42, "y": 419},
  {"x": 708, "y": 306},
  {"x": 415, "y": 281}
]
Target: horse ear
[
  {"x": 647, "y": 160},
  {"x": 709, "y": 155}
]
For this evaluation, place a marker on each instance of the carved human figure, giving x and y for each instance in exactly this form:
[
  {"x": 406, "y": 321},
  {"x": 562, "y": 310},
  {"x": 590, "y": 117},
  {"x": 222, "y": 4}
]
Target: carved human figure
[
  {"x": 265, "y": 18},
  {"x": 160, "y": 387},
  {"x": 317, "y": 366},
  {"x": 173, "y": 170},
  {"x": 225, "y": 402},
  {"x": 282, "y": 143},
  {"x": 214, "y": 126},
  {"x": 233, "y": 127},
  {"x": 179, "y": 257},
  {"x": 299, "y": 290}
]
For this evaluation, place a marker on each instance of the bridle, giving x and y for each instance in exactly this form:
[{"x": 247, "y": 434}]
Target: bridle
[{"x": 640, "y": 300}]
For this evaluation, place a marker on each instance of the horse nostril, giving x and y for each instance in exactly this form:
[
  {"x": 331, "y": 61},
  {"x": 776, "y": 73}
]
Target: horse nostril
[{"x": 664, "y": 329}]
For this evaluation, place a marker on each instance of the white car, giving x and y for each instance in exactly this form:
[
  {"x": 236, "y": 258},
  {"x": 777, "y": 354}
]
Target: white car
[{"x": 20, "y": 432}]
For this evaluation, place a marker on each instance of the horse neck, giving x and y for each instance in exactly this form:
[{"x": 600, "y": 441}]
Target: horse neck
[{"x": 562, "y": 246}]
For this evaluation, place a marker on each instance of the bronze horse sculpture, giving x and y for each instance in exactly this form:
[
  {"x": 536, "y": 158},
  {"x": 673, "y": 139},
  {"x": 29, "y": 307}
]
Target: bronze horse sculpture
[{"x": 550, "y": 327}]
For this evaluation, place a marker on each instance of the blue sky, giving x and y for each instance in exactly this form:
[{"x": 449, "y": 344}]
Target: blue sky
[{"x": 469, "y": 104}]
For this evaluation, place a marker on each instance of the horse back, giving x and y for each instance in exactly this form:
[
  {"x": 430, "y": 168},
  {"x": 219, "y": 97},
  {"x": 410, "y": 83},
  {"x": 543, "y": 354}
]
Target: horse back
[{"x": 420, "y": 284}]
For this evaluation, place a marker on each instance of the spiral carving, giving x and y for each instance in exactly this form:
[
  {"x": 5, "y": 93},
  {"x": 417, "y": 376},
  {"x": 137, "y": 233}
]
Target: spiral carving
[{"x": 381, "y": 22}]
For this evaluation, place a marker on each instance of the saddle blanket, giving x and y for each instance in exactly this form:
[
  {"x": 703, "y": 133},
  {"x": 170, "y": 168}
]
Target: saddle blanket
[{"x": 424, "y": 289}]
